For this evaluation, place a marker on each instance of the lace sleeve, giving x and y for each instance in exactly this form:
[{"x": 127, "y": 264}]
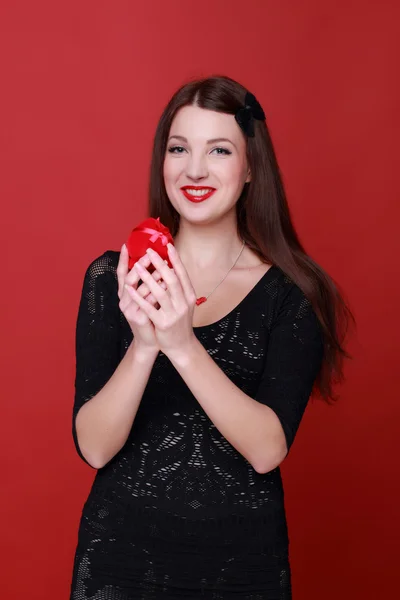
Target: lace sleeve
[
  {"x": 294, "y": 356},
  {"x": 97, "y": 333}
]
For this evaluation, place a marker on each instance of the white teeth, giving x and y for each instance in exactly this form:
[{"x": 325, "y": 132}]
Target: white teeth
[{"x": 197, "y": 192}]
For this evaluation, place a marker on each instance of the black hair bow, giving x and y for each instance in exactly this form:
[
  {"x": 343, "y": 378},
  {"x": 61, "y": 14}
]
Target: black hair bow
[{"x": 245, "y": 116}]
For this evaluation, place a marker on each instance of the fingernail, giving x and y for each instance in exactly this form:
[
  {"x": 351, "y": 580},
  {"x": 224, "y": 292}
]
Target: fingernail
[
  {"x": 170, "y": 247},
  {"x": 139, "y": 267}
]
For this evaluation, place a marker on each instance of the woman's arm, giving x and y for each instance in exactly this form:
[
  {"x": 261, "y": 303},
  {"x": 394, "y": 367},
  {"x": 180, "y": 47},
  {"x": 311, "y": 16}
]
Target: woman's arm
[
  {"x": 108, "y": 390},
  {"x": 103, "y": 423},
  {"x": 251, "y": 427},
  {"x": 262, "y": 429}
]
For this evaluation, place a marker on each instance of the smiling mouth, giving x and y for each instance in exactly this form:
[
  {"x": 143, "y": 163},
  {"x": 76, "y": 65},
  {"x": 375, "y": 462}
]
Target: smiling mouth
[{"x": 197, "y": 194}]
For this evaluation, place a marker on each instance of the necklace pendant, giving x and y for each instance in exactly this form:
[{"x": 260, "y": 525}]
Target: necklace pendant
[{"x": 200, "y": 300}]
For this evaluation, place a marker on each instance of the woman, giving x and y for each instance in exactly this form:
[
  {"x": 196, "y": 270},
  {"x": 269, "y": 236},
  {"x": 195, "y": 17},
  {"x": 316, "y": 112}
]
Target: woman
[{"x": 191, "y": 382}]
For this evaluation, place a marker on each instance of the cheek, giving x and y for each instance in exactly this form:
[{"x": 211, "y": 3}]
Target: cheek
[
  {"x": 231, "y": 173},
  {"x": 171, "y": 170},
  {"x": 170, "y": 177}
]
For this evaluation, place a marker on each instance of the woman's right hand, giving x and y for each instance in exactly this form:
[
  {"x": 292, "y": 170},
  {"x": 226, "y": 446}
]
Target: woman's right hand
[{"x": 141, "y": 326}]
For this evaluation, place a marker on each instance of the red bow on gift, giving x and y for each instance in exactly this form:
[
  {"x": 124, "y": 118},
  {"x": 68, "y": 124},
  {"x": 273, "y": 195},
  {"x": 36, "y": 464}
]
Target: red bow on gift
[{"x": 150, "y": 233}]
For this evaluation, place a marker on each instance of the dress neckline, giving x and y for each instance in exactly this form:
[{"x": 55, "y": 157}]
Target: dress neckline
[{"x": 258, "y": 283}]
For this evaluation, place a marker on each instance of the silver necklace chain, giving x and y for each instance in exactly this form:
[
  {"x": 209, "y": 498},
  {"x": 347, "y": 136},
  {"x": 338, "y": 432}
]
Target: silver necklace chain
[{"x": 239, "y": 255}]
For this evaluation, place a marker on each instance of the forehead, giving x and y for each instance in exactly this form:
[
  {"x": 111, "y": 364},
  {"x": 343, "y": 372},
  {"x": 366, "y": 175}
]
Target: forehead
[{"x": 200, "y": 124}]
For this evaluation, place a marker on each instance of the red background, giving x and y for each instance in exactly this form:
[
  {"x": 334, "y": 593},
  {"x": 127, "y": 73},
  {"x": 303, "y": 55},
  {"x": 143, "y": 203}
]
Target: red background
[{"x": 83, "y": 85}]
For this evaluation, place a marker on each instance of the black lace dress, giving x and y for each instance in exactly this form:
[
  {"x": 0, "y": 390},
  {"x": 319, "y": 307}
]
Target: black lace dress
[{"x": 179, "y": 512}]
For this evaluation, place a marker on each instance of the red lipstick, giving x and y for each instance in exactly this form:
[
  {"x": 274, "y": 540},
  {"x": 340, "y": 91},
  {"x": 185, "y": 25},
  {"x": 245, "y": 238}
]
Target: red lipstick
[{"x": 199, "y": 198}]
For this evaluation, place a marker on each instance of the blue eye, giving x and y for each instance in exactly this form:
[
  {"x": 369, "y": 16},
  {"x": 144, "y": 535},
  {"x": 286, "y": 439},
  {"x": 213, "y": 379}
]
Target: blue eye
[
  {"x": 224, "y": 151},
  {"x": 173, "y": 148}
]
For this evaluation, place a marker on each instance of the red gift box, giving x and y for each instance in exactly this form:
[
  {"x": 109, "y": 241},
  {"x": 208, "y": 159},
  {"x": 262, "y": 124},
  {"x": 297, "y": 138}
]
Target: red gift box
[{"x": 150, "y": 233}]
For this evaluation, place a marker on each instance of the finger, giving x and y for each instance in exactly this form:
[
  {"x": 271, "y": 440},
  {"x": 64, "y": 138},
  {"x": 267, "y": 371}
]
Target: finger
[
  {"x": 122, "y": 269},
  {"x": 161, "y": 295},
  {"x": 143, "y": 288},
  {"x": 171, "y": 279},
  {"x": 182, "y": 274},
  {"x": 125, "y": 276},
  {"x": 144, "y": 291},
  {"x": 132, "y": 277},
  {"x": 147, "y": 308},
  {"x": 150, "y": 298}
]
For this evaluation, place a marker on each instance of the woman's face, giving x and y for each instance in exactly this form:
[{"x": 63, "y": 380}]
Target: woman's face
[{"x": 205, "y": 165}]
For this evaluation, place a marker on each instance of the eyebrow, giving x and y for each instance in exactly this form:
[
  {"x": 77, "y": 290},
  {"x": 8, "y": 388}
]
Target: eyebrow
[{"x": 212, "y": 141}]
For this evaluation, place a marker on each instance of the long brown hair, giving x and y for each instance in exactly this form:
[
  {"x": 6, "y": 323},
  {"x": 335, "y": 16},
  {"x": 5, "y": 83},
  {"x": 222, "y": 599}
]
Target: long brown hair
[{"x": 263, "y": 218}]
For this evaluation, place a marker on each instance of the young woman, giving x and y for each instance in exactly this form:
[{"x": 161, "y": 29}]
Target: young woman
[{"x": 191, "y": 382}]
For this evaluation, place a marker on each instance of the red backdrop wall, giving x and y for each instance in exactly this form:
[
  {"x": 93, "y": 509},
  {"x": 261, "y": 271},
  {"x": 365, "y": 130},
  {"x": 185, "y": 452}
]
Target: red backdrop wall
[{"x": 83, "y": 85}]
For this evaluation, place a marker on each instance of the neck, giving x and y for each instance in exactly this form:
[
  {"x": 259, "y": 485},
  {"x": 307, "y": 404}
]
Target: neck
[{"x": 202, "y": 247}]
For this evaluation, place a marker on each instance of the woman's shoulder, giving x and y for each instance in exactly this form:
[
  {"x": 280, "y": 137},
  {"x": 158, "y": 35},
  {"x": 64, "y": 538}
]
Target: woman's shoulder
[
  {"x": 283, "y": 294},
  {"x": 277, "y": 284},
  {"x": 104, "y": 263},
  {"x": 101, "y": 274}
]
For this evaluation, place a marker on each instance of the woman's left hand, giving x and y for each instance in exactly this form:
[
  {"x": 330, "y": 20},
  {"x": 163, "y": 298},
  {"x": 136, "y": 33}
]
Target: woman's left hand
[{"x": 173, "y": 321}]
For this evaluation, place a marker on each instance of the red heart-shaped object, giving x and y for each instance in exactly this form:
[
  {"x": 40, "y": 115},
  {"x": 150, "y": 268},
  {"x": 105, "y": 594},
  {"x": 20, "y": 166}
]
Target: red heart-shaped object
[{"x": 150, "y": 233}]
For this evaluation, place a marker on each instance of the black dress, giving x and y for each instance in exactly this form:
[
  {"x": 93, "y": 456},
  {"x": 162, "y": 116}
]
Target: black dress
[{"x": 179, "y": 512}]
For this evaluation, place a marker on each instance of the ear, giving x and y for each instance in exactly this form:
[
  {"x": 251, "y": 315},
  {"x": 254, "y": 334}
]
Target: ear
[{"x": 248, "y": 178}]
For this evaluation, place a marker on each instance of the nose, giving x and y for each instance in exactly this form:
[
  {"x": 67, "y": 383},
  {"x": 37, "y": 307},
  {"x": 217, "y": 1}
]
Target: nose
[{"x": 196, "y": 167}]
